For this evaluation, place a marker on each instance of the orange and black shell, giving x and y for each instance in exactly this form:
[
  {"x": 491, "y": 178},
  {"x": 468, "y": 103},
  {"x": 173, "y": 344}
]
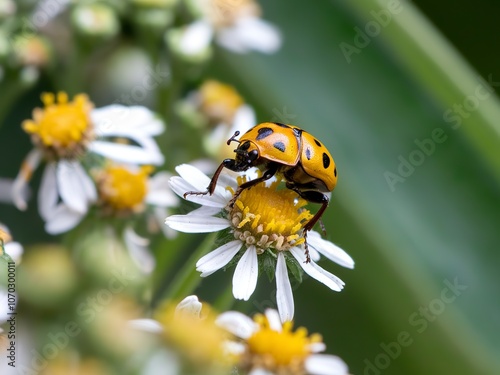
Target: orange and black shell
[{"x": 292, "y": 146}]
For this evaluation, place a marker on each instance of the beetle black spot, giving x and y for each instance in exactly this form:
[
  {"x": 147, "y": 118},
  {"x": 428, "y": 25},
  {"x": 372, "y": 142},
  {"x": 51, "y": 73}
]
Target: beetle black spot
[
  {"x": 264, "y": 132},
  {"x": 317, "y": 143},
  {"x": 279, "y": 146},
  {"x": 281, "y": 124},
  {"x": 308, "y": 153},
  {"x": 335, "y": 172},
  {"x": 326, "y": 161}
]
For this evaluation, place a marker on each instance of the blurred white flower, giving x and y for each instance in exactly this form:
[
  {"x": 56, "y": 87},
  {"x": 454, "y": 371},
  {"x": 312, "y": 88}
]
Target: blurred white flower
[
  {"x": 64, "y": 134},
  {"x": 265, "y": 346},
  {"x": 122, "y": 191},
  {"x": 263, "y": 220},
  {"x": 235, "y": 25}
]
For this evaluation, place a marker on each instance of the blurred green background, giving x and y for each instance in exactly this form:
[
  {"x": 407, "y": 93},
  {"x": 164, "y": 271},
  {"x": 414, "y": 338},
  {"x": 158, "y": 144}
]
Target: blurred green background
[{"x": 438, "y": 225}]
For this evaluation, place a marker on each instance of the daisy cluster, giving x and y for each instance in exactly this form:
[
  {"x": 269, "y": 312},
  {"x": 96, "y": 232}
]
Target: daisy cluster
[{"x": 98, "y": 180}]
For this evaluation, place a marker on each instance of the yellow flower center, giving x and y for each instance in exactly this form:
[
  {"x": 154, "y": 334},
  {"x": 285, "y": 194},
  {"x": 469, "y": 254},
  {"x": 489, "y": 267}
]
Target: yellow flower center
[
  {"x": 268, "y": 217},
  {"x": 227, "y": 12},
  {"x": 62, "y": 128},
  {"x": 198, "y": 339},
  {"x": 123, "y": 189},
  {"x": 279, "y": 352},
  {"x": 219, "y": 102}
]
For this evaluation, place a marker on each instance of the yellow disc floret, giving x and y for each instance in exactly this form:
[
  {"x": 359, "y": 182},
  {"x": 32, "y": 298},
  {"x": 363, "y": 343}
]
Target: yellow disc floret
[
  {"x": 122, "y": 189},
  {"x": 268, "y": 217},
  {"x": 62, "y": 128},
  {"x": 219, "y": 102},
  {"x": 280, "y": 352},
  {"x": 197, "y": 338}
]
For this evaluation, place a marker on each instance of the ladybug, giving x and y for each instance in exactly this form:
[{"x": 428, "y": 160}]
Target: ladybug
[{"x": 306, "y": 165}]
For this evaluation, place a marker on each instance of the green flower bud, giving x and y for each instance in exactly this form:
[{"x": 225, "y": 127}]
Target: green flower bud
[{"x": 95, "y": 20}]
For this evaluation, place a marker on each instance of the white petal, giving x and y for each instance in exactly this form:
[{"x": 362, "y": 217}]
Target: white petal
[
  {"x": 250, "y": 33},
  {"x": 246, "y": 274},
  {"x": 15, "y": 251},
  {"x": 244, "y": 119},
  {"x": 317, "y": 347},
  {"x": 237, "y": 323},
  {"x": 325, "y": 364},
  {"x": 193, "y": 176},
  {"x": 189, "y": 305},
  {"x": 86, "y": 182},
  {"x": 146, "y": 153},
  {"x": 119, "y": 120},
  {"x": 162, "y": 362},
  {"x": 62, "y": 219},
  {"x": 6, "y": 185},
  {"x": 160, "y": 213},
  {"x": 148, "y": 325},
  {"x": 196, "y": 37},
  {"x": 233, "y": 348},
  {"x": 284, "y": 295},
  {"x": 138, "y": 248},
  {"x": 315, "y": 271},
  {"x": 159, "y": 192},
  {"x": 260, "y": 371},
  {"x": 218, "y": 258},
  {"x": 29, "y": 165},
  {"x": 48, "y": 194},
  {"x": 273, "y": 318},
  {"x": 205, "y": 211},
  {"x": 196, "y": 224},
  {"x": 179, "y": 186},
  {"x": 71, "y": 189},
  {"x": 330, "y": 250}
]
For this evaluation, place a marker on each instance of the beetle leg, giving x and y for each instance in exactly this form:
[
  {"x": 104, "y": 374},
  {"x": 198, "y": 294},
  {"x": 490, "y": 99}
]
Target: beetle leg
[
  {"x": 271, "y": 171},
  {"x": 229, "y": 164}
]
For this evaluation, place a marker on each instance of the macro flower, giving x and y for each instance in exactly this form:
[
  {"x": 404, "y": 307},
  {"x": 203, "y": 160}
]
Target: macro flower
[
  {"x": 264, "y": 221},
  {"x": 189, "y": 330},
  {"x": 123, "y": 192},
  {"x": 265, "y": 346},
  {"x": 235, "y": 25},
  {"x": 66, "y": 132}
]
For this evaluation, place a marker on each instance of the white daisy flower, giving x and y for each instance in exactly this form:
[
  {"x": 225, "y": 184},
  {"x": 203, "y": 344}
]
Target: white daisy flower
[
  {"x": 65, "y": 132},
  {"x": 264, "y": 220},
  {"x": 265, "y": 346},
  {"x": 235, "y": 25},
  {"x": 122, "y": 191},
  {"x": 189, "y": 330}
]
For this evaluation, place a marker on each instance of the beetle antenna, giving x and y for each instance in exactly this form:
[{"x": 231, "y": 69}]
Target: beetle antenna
[{"x": 236, "y": 133}]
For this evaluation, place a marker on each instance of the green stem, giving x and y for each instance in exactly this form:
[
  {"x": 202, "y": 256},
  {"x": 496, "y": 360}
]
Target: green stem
[
  {"x": 187, "y": 278},
  {"x": 225, "y": 301}
]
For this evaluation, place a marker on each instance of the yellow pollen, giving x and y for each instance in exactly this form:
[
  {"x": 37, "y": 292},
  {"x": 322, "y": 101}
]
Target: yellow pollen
[
  {"x": 279, "y": 351},
  {"x": 272, "y": 217},
  {"x": 219, "y": 101},
  {"x": 61, "y": 123},
  {"x": 123, "y": 189}
]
